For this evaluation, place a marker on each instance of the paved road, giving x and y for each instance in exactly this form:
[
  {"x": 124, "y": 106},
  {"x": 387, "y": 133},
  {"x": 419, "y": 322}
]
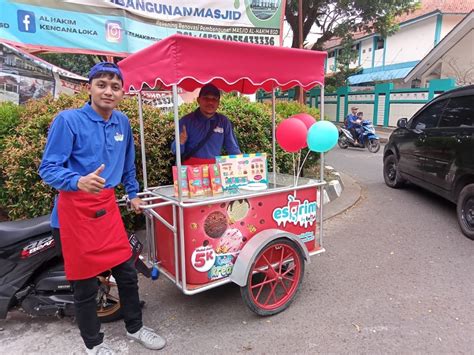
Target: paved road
[{"x": 396, "y": 278}]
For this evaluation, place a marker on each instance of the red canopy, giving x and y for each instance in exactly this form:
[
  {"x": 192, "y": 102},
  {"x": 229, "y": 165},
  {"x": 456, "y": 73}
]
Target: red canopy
[{"x": 191, "y": 62}]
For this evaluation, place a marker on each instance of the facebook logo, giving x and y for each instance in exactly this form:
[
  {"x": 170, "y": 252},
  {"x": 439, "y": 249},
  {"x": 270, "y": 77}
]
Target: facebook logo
[{"x": 26, "y": 21}]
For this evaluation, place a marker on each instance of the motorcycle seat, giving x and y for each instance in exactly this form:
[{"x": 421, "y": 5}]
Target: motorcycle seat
[{"x": 17, "y": 231}]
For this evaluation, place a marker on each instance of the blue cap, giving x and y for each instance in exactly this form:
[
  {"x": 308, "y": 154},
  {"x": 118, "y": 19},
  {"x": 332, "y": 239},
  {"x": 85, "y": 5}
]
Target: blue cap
[{"x": 105, "y": 67}]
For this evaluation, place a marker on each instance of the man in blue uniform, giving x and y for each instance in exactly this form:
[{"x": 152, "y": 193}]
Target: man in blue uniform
[
  {"x": 353, "y": 122},
  {"x": 88, "y": 153},
  {"x": 204, "y": 132}
]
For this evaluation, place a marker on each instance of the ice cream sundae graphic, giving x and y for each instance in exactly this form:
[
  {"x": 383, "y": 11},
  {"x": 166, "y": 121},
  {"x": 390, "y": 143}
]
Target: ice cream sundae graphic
[
  {"x": 231, "y": 241},
  {"x": 215, "y": 224},
  {"x": 238, "y": 209},
  {"x": 227, "y": 250}
]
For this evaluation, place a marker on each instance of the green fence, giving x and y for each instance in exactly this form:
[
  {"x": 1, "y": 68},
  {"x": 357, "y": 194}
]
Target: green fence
[{"x": 384, "y": 105}]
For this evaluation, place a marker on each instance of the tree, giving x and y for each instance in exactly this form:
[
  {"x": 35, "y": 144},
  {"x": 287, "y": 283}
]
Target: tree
[
  {"x": 341, "y": 17},
  {"x": 347, "y": 54},
  {"x": 77, "y": 63}
]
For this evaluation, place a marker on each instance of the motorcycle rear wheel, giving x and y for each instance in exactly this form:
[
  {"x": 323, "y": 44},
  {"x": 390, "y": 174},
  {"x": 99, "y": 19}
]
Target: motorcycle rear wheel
[
  {"x": 342, "y": 142},
  {"x": 109, "y": 308},
  {"x": 373, "y": 145}
]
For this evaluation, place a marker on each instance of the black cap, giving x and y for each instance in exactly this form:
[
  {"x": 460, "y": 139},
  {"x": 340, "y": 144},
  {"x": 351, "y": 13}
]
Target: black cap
[{"x": 210, "y": 89}]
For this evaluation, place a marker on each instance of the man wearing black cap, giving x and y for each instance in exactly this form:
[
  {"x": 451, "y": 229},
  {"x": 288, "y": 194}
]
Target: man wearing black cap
[
  {"x": 204, "y": 132},
  {"x": 88, "y": 153}
]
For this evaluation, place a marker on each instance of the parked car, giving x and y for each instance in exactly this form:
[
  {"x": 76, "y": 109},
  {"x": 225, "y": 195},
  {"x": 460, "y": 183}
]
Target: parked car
[{"x": 435, "y": 150}]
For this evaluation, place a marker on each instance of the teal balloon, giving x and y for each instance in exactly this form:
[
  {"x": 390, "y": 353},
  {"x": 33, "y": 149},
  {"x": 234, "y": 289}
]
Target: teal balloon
[{"x": 322, "y": 136}]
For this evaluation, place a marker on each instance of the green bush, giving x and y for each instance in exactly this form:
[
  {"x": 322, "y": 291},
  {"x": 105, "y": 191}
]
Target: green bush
[
  {"x": 9, "y": 119},
  {"x": 24, "y": 195},
  {"x": 285, "y": 109}
]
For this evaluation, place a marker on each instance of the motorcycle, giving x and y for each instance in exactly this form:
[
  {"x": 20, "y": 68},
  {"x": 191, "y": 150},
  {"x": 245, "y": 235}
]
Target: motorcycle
[
  {"x": 32, "y": 273},
  {"x": 367, "y": 138}
]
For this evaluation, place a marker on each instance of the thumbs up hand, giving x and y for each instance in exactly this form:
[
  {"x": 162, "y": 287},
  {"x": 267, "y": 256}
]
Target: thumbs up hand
[
  {"x": 183, "y": 137},
  {"x": 92, "y": 182}
]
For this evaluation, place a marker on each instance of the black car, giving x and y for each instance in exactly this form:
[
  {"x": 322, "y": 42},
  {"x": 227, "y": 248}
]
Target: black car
[{"x": 435, "y": 150}]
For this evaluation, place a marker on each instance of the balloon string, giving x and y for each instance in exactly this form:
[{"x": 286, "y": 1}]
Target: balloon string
[
  {"x": 294, "y": 169},
  {"x": 301, "y": 167}
]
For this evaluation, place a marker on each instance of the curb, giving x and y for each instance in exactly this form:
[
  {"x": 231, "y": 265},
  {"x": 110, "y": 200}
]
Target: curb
[
  {"x": 340, "y": 202},
  {"x": 333, "y": 188}
]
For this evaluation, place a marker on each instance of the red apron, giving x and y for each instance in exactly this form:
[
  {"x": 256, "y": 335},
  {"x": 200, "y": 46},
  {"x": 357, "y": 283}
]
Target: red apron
[
  {"x": 91, "y": 242},
  {"x": 198, "y": 161}
]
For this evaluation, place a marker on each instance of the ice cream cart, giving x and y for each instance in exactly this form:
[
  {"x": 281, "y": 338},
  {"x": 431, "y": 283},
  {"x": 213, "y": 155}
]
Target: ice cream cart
[{"x": 258, "y": 238}]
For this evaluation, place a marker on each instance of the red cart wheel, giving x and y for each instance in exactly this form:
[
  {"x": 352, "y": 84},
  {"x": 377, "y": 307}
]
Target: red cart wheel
[{"x": 274, "y": 278}]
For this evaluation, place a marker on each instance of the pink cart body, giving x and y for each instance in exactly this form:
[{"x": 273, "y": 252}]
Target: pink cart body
[{"x": 216, "y": 233}]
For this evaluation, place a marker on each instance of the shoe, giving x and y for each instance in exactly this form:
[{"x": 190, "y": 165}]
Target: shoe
[
  {"x": 101, "y": 349},
  {"x": 148, "y": 338}
]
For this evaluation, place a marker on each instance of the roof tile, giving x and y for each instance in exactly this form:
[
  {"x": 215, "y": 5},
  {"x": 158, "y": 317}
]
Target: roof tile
[{"x": 427, "y": 7}]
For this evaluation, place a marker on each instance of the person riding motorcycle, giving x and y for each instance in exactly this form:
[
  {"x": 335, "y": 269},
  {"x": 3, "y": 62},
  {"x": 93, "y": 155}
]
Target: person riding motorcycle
[{"x": 353, "y": 123}]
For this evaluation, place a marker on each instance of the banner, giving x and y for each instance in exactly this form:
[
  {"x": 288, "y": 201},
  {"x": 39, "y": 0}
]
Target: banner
[
  {"x": 120, "y": 27},
  {"x": 24, "y": 76}
]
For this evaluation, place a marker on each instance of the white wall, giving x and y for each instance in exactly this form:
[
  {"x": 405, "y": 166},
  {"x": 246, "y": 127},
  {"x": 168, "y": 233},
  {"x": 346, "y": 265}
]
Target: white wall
[
  {"x": 342, "y": 102},
  {"x": 401, "y": 110},
  {"x": 409, "y": 96},
  {"x": 330, "y": 111},
  {"x": 381, "y": 110},
  {"x": 361, "y": 97},
  {"x": 367, "y": 109},
  {"x": 458, "y": 62},
  {"x": 366, "y": 58},
  {"x": 448, "y": 23},
  {"x": 410, "y": 42}
]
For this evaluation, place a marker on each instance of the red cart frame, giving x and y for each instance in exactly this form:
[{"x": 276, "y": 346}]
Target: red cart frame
[{"x": 258, "y": 240}]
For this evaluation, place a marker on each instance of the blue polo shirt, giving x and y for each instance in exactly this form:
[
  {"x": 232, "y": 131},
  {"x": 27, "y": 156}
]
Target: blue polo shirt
[
  {"x": 351, "y": 121},
  {"x": 79, "y": 141},
  {"x": 197, "y": 126}
]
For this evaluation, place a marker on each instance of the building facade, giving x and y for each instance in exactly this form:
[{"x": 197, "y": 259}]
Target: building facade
[{"x": 390, "y": 59}]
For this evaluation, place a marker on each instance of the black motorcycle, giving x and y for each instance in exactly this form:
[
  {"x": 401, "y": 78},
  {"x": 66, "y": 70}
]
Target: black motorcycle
[{"x": 32, "y": 273}]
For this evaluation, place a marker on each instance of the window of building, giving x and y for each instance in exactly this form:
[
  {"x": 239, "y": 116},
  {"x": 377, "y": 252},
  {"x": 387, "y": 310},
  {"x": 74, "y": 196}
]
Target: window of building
[
  {"x": 380, "y": 43},
  {"x": 355, "y": 47},
  {"x": 331, "y": 54}
]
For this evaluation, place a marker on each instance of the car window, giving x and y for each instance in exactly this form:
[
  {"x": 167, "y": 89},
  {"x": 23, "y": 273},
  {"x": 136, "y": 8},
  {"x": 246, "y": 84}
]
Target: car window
[
  {"x": 458, "y": 113},
  {"x": 429, "y": 117}
]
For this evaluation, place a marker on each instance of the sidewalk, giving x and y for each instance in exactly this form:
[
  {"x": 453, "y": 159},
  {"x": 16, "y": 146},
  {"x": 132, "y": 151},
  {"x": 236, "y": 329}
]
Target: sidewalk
[
  {"x": 384, "y": 133},
  {"x": 348, "y": 197}
]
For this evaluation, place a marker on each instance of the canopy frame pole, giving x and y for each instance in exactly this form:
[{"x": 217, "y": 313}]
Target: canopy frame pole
[
  {"x": 180, "y": 193},
  {"x": 274, "y": 135},
  {"x": 321, "y": 175},
  {"x": 176, "y": 138},
  {"x": 142, "y": 141}
]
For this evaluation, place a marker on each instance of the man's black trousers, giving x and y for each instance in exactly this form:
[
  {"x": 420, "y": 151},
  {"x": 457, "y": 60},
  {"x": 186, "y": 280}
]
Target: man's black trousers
[{"x": 85, "y": 302}]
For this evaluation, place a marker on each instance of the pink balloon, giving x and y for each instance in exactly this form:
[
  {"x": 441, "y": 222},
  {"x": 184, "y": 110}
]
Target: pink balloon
[
  {"x": 307, "y": 119},
  {"x": 291, "y": 134}
]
